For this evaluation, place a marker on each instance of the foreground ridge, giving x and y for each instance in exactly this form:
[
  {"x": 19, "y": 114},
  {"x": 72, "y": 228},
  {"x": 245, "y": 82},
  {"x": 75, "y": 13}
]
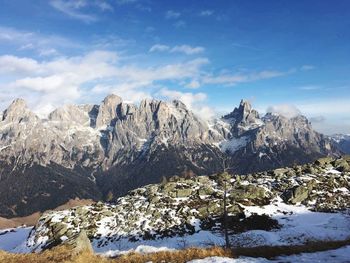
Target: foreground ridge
[{"x": 194, "y": 206}]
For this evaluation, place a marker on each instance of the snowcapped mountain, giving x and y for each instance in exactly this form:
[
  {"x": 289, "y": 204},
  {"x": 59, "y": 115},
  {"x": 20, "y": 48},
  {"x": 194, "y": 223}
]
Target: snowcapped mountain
[{"x": 103, "y": 151}]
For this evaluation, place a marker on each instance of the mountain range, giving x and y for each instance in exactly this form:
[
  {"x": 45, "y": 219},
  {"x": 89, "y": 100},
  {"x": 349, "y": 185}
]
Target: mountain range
[{"x": 100, "y": 152}]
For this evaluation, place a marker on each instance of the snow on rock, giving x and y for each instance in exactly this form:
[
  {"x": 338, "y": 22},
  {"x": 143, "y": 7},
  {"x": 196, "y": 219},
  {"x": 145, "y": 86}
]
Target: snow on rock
[{"x": 234, "y": 144}]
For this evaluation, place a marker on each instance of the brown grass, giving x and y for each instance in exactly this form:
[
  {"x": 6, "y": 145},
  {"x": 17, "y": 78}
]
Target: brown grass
[
  {"x": 175, "y": 256},
  {"x": 62, "y": 254}
]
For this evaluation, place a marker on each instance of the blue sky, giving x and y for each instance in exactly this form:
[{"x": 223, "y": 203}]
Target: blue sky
[{"x": 285, "y": 56}]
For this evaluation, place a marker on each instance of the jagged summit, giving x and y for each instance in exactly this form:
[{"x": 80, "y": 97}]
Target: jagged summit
[
  {"x": 245, "y": 105},
  {"x": 17, "y": 106},
  {"x": 17, "y": 111}
]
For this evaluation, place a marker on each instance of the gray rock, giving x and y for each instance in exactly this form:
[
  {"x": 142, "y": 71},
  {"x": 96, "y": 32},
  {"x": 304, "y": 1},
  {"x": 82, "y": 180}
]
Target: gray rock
[
  {"x": 79, "y": 242},
  {"x": 183, "y": 192}
]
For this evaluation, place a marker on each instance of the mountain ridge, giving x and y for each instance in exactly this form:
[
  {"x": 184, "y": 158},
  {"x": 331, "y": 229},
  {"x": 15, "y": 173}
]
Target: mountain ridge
[{"x": 114, "y": 147}]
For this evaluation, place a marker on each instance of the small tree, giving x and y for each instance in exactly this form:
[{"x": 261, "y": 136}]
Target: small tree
[
  {"x": 164, "y": 180},
  {"x": 224, "y": 180},
  {"x": 110, "y": 196}
]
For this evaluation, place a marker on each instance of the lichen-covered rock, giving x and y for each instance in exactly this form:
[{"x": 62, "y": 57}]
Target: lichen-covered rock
[
  {"x": 183, "y": 192},
  {"x": 79, "y": 242},
  {"x": 323, "y": 161},
  {"x": 342, "y": 165},
  {"x": 298, "y": 194}
]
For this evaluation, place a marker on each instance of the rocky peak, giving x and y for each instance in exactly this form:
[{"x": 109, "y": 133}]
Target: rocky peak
[
  {"x": 301, "y": 120},
  {"x": 245, "y": 106},
  {"x": 17, "y": 111},
  {"x": 243, "y": 118},
  {"x": 108, "y": 110}
]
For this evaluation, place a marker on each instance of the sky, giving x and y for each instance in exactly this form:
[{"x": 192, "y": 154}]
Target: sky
[{"x": 289, "y": 57}]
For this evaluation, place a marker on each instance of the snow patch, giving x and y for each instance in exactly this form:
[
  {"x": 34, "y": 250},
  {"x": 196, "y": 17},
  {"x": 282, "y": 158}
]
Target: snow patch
[{"x": 234, "y": 144}]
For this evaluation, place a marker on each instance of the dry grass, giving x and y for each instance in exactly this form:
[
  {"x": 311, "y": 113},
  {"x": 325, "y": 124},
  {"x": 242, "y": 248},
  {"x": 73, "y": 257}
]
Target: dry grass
[
  {"x": 180, "y": 256},
  {"x": 62, "y": 254}
]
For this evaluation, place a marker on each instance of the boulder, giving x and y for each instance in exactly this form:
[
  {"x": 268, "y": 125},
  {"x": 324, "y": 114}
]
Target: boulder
[
  {"x": 79, "y": 242},
  {"x": 249, "y": 192},
  {"x": 206, "y": 190},
  {"x": 342, "y": 165},
  {"x": 297, "y": 194},
  {"x": 323, "y": 161},
  {"x": 280, "y": 172},
  {"x": 183, "y": 192},
  {"x": 166, "y": 188}
]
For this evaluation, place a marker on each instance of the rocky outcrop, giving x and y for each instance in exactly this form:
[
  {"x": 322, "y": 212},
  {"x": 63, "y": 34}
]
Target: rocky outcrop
[{"x": 186, "y": 206}]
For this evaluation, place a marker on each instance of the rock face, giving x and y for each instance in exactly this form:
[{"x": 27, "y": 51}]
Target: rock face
[
  {"x": 116, "y": 146},
  {"x": 271, "y": 140},
  {"x": 186, "y": 206},
  {"x": 342, "y": 141}
]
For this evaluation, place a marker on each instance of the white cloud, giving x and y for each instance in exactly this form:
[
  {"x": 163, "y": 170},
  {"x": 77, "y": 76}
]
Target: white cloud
[
  {"x": 233, "y": 79},
  {"x": 170, "y": 14},
  {"x": 286, "y": 110},
  {"x": 194, "y": 101},
  {"x": 206, "y": 12},
  {"x": 67, "y": 80},
  {"x": 309, "y": 87},
  {"x": 180, "y": 24},
  {"x": 43, "y": 45},
  {"x": 71, "y": 8},
  {"x": 14, "y": 65},
  {"x": 104, "y": 6},
  {"x": 326, "y": 115},
  {"x": 317, "y": 119},
  {"x": 186, "y": 97},
  {"x": 129, "y": 92},
  {"x": 48, "y": 52},
  {"x": 186, "y": 49},
  {"x": 338, "y": 106},
  {"x": 194, "y": 84},
  {"x": 123, "y": 2},
  {"x": 159, "y": 47},
  {"x": 307, "y": 67},
  {"x": 150, "y": 29}
]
